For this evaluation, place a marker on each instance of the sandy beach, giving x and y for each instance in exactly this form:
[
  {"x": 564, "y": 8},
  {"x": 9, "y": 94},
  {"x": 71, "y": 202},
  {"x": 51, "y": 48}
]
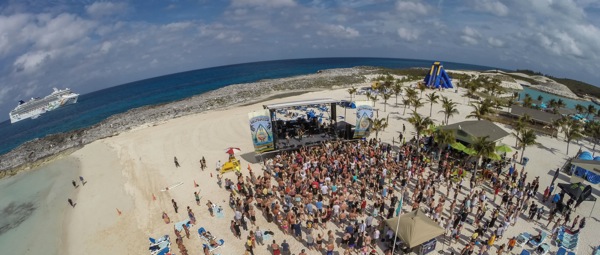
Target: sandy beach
[{"x": 121, "y": 204}]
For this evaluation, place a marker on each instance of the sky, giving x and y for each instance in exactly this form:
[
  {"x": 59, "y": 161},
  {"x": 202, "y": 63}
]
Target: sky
[{"x": 88, "y": 45}]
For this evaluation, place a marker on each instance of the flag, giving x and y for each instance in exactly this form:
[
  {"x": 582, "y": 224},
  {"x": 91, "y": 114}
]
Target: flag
[{"x": 399, "y": 208}]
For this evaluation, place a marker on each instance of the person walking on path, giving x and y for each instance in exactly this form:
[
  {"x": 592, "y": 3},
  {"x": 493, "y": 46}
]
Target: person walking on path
[
  {"x": 71, "y": 202},
  {"x": 581, "y": 224},
  {"x": 176, "y": 162},
  {"x": 174, "y": 205},
  {"x": 83, "y": 182}
]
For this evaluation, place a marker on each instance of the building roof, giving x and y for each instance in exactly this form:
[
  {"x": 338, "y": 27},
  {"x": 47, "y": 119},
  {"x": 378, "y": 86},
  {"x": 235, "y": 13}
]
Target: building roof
[
  {"x": 299, "y": 103},
  {"x": 590, "y": 165},
  {"x": 476, "y": 128},
  {"x": 536, "y": 115}
]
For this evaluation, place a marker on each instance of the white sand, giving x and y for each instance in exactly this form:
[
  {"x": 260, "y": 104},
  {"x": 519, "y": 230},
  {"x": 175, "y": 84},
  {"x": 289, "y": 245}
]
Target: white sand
[{"x": 125, "y": 171}]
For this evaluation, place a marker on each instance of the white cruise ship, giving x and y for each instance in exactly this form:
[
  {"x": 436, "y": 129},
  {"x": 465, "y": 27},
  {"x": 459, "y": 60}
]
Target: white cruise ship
[{"x": 38, "y": 106}]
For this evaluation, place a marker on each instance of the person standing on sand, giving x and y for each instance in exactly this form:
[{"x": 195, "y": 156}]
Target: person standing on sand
[
  {"x": 176, "y": 162},
  {"x": 210, "y": 208},
  {"x": 197, "y": 197},
  {"x": 74, "y": 184},
  {"x": 174, "y": 205},
  {"x": 166, "y": 218},
  {"x": 187, "y": 231},
  {"x": 275, "y": 248},
  {"x": 71, "y": 202},
  {"x": 83, "y": 182}
]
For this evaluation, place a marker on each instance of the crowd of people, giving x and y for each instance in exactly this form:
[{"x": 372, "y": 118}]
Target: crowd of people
[{"x": 353, "y": 186}]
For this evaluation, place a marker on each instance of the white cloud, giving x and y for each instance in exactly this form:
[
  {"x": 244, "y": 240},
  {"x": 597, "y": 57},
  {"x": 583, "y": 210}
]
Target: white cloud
[
  {"x": 494, "y": 7},
  {"x": 495, "y": 42},
  {"x": 176, "y": 26},
  {"x": 101, "y": 9},
  {"x": 412, "y": 7},
  {"x": 470, "y": 36},
  {"x": 263, "y": 3},
  {"x": 338, "y": 31},
  {"x": 408, "y": 34},
  {"x": 30, "y": 61}
]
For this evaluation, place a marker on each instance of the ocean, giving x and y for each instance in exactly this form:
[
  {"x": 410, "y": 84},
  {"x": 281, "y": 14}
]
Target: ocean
[{"x": 94, "y": 107}]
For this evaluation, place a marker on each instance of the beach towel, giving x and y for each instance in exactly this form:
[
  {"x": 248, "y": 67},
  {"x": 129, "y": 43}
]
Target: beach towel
[
  {"x": 220, "y": 212},
  {"x": 179, "y": 225}
]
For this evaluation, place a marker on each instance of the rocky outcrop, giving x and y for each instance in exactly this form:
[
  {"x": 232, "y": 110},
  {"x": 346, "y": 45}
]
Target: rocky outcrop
[{"x": 35, "y": 152}]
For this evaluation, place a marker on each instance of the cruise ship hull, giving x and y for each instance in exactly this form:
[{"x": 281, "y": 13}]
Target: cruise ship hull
[{"x": 50, "y": 106}]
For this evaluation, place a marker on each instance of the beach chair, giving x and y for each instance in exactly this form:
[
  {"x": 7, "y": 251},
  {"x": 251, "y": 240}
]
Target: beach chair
[
  {"x": 597, "y": 251},
  {"x": 561, "y": 251},
  {"x": 542, "y": 249},
  {"x": 201, "y": 233},
  {"x": 524, "y": 252},
  {"x": 535, "y": 243},
  {"x": 164, "y": 251},
  {"x": 523, "y": 238}
]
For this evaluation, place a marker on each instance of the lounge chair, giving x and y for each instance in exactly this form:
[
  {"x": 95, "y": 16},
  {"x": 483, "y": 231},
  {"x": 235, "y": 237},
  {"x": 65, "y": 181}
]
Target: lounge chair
[
  {"x": 523, "y": 238},
  {"x": 164, "y": 251},
  {"x": 561, "y": 251},
  {"x": 542, "y": 249},
  {"x": 159, "y": 240},
  {"x": 213, "y": 248},
  {"x": 201, "y": 234},
  {"x": 525, "y": 252},
  {"x": 534, "y": 243}
]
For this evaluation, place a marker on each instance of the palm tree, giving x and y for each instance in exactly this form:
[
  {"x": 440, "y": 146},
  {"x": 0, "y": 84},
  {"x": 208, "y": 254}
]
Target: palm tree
[
  {"x": 351, "y": 91},
  {"x": 483, "y": 148},
  {"x": 580, "y": 108},
  {"x": 419, "y": 123},
  {"x": 373, "y": 98},
  {"x": 480, "y": 110},
  {"x": 386, "y": 96},
  {"x": 590, "y": 110},
  {"x": 527, "y": 138},
  {"x": 443, "y": 138},
  {"x": 519, "y": 125},
  {"x": 410, "y": 93},
  {"x": 378, "y": 125},
  {"x": 527, "y": 101},
  {"x": 422, "y": 88},
  {"x": 560, "y": 103},
  {"x": 555, "y": 125},
  {"x": 572, "y": 132},
  {"x": 448, "y": 108},
  {"x": 417, "y": 103},
  {"x": 406, "y": 102},
  {"x": 592, "y": 129},
  {"x": 432, "y": 99},
  {"x": 397, "y": 88}
]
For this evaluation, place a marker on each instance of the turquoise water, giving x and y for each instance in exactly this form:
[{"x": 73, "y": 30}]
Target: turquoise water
[
  {"x": 32, "y": 206},
  {"x": 569, "y": 102}
]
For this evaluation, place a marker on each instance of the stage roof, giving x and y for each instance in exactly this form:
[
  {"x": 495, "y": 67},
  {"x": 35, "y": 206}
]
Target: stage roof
[{"x": 299, "y": 103}]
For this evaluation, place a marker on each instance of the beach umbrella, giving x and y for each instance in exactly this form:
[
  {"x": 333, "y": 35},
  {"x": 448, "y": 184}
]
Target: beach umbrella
[
  {"x": 469, "y": 151},
  {"x": 503, "y": 148},
  {"x": 494, "y": 156},
  {"x": 232, "y": 150},
  {"x": 458, "y": 146}
]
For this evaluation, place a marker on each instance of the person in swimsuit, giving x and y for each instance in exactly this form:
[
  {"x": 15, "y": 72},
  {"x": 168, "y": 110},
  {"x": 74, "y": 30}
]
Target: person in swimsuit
[{"x": 275, "y": 248}]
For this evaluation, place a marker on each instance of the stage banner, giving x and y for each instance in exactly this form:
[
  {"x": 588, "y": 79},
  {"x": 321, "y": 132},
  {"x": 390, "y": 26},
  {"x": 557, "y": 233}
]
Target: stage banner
[
  {"x": 261, "y": 130},
  {"x": 364, "y": 113}
]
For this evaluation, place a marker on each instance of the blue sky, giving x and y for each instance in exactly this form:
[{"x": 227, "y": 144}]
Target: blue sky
[{"x": 89, "y": 45}]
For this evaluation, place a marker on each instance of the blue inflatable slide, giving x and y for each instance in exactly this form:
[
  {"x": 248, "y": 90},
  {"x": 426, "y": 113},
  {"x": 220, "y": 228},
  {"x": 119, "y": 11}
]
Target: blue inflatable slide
[{"x": 438, "y": 77}]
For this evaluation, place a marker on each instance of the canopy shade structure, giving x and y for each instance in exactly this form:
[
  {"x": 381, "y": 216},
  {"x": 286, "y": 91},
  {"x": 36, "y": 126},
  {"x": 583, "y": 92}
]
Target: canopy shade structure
[
  {"x": 503, "y": 148},
  {"x": 465, "y": 131},
  {"x": 578, "y": 191},
  {"x": 300, "y": 103},
  {"x": 414, "y": 228}
]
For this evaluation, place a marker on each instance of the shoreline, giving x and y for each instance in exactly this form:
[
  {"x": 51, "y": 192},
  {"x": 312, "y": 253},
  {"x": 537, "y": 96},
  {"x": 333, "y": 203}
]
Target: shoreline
[{"x": 38, "y": 152}]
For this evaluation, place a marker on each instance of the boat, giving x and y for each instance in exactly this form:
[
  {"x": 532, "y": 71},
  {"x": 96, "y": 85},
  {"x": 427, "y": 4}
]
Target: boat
[{"x": 38, "y": 106}]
